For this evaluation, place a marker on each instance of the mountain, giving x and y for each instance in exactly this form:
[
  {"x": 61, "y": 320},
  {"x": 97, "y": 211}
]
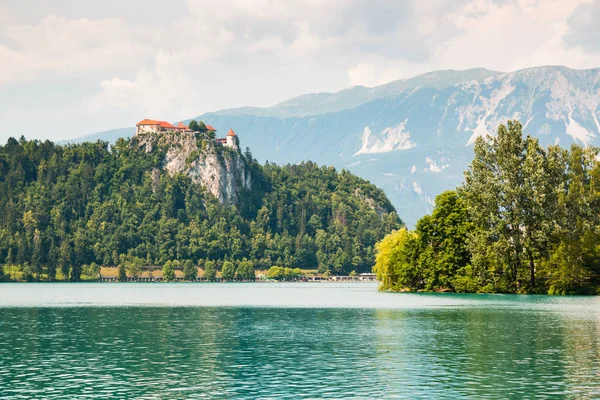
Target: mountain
[
  {"x": 110, "y": 136},
  {"x": 413, "y": 137}
]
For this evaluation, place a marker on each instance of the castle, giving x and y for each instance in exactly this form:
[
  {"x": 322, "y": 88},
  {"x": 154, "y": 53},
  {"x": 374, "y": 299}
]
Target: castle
[{"x": 154, "y": 126}]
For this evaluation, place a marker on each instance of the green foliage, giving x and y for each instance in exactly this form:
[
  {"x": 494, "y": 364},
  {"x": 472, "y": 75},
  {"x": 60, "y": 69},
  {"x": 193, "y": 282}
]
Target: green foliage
[
  {"x": 284, "y": 274},
  {"x": 525, "y": 221},
  {"x": 65, "y": 207},
  {"x": 396, "y": 261},
  {"x": 228, "y": 271},
  {"x": 511, "y": 192},
  {"x": 122, "y": 273},
  {"x": 27, "y": 272},
  {"x": 442, "y": 242},
  {"x": 275, "y": 272},
  {"x": 210, "y": 272},
  {"x": 192, "y": 157},
  {"x": 190, "y": 272},
  {"x": 91, "y": 270},
  {"x": 245, "y": 271},
  {"x": 133, "y": 265},
  {"x": 198, "y": 126},
  {"x": 168, "y": 272}
]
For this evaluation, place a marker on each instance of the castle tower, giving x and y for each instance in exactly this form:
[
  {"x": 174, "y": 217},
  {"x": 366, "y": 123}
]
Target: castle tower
[{"x": 232, "y": 139}]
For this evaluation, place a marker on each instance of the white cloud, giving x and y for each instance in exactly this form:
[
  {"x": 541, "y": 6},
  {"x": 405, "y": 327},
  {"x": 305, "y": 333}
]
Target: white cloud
[
  {"x": 68, "y": 48},
  {"x": 363, "y": 74},
  {"x": 417, "y": 188},
  {"x": 530, "y": 31},
  {"x": 213, "y": 54},
  {"x": 480, "y": 33},
  {"x": 434, "y": 167}
]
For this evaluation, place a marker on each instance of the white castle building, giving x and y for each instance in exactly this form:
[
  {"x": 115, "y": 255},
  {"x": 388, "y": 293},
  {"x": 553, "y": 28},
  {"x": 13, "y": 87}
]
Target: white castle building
[{"x": 155, "y": 126}]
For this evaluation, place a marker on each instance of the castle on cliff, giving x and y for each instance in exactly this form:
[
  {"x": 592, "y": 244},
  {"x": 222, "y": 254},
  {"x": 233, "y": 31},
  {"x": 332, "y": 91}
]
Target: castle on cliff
[{"x": 154, "y": 126}]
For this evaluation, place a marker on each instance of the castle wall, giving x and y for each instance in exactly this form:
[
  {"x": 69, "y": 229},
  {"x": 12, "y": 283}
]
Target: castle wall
[{"x": 146, "y": 129}]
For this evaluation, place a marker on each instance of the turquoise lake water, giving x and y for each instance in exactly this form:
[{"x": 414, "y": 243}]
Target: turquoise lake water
[{"x": 308, "y": 340}]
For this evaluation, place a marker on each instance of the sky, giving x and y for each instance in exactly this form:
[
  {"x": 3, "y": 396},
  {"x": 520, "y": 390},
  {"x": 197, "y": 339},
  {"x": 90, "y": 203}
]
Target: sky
[{"x": 73, "y": 67}]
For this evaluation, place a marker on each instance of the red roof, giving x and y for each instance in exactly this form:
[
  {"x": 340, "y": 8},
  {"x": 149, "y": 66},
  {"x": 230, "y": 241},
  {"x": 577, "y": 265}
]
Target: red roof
[
  {"x": 181, "y": 125},
  {"x": 210, "y": 128},
  {"x": 162, "y": 124},
  {"x": 231, "y": 133},
  {"x": 165, "y": 124},
  {"x": 147, "y": 122}
]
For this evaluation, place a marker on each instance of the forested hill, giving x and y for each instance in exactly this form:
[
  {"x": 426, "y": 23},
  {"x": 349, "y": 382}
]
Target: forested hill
[{"x": 63, "y": 208}]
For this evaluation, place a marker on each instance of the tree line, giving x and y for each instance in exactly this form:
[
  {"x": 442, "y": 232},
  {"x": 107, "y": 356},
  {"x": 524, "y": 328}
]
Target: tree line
[
  {"x": 525, "y": 220},
  {"x": 66, "y": 210}
]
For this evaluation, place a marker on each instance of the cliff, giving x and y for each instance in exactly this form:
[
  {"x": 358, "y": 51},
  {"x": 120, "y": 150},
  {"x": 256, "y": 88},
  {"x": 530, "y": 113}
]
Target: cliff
[{"x": 221, "y": 170}]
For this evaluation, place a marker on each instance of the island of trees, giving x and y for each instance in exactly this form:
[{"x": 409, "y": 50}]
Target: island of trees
[
  {"x": 525, "y": 220},
  {"x": 67, "y": 210}
]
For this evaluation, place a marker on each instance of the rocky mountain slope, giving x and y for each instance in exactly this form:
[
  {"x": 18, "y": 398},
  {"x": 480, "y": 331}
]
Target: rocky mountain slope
[
  {"x": 221, "y": 170},
  {"x": 414, "y": 137}
]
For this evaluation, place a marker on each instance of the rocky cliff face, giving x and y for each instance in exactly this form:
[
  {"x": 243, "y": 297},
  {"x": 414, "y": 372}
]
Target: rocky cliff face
[{"x": 222, "y": 171}]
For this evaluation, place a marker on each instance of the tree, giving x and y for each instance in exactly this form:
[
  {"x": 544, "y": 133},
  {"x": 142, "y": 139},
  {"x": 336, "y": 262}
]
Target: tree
[
  {"x": 228, "y": 271},
  {"x": 245, "y": 271},
  {"x": 210, "y": 271},
  {"x": 122, "y": 273},
  {"x": 276, "y": 273},
  {"x": 396, "y": 261},
  {"x": 52, "y": 261},
  {"x": 443, "y": 241},
  {"x": 526, "y": 220},
  {"x": 574, "y": 260},
  {"x": 168, "y": 272},
  {"x": 36, "y": 256},
  {"x": 92, "y": 270},
  {"x": 133, "y": 265},
  {"x": 27, "y": 272},
  {"x": 190, "y": 272},
  {"x": 197, "y": 126},
  {"x": 193, "y": 125},
  {"x": 65, "y": 258},
  {"x": 509, "y": 192},
  {"x": 10, "y": 259}
]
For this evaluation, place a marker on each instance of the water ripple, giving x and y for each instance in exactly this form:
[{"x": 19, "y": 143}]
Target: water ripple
[{"x": 515, "y": 350}]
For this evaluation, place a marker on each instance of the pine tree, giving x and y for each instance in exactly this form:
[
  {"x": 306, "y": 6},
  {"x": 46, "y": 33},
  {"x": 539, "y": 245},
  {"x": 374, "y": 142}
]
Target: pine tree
[
  {"x": 36, "y": 256},
  {"x": 65, "y": 257}
]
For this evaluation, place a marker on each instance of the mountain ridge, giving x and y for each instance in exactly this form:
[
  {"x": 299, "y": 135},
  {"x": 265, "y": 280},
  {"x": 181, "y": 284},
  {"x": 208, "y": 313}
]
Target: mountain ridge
[{"x": 413, "y": 137}]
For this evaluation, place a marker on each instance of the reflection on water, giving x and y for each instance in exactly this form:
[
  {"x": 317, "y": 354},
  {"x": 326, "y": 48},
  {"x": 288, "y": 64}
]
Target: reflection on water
[{"x": 501, "y": 348}]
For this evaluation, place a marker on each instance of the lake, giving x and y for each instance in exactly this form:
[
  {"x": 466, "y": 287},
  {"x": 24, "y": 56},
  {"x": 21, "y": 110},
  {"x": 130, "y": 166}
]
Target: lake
[{"x": 304, "y": 340}]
